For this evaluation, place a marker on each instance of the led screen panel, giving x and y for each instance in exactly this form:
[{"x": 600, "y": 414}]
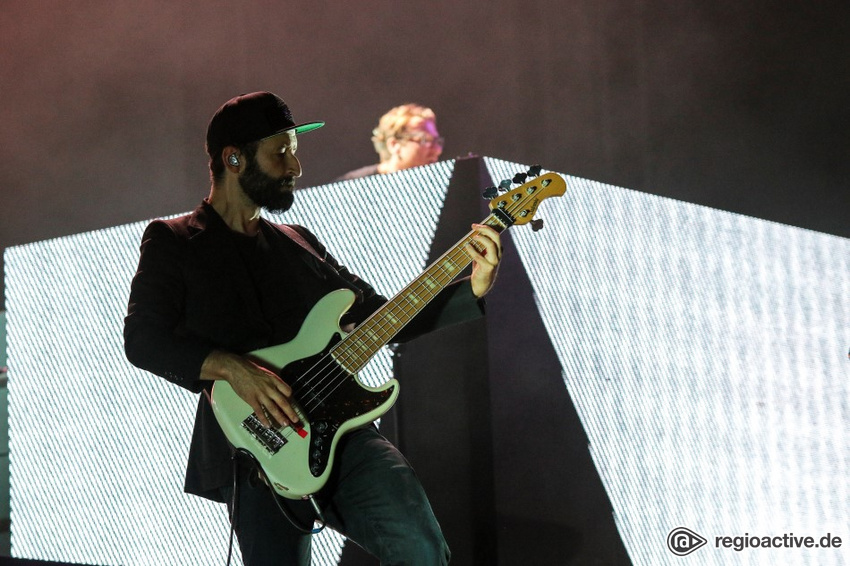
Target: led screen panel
[
  {"x": 706, "y": 354},
  {"x": 99, "y": 447}
]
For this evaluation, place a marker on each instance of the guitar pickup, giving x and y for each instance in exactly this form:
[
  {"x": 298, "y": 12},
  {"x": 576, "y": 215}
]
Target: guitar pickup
[{"x": 269, "y": 438}]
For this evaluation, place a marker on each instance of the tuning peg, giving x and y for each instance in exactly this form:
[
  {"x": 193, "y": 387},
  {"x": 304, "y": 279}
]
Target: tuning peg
[
  {"x": 505, "y": 186},
  {"x": 537, "y": 224},
  {"x": 534, "y": 170},
  {"x": 520, "y": 178},
  {"x": 490, "y": 193}
]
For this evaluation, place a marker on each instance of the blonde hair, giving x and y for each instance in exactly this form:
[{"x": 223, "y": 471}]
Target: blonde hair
[{"x": 393, "y": 123}]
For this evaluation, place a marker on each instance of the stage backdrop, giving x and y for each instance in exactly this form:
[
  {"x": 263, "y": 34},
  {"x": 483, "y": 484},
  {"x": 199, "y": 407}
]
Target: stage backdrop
[{"x": 705, "y": 354}]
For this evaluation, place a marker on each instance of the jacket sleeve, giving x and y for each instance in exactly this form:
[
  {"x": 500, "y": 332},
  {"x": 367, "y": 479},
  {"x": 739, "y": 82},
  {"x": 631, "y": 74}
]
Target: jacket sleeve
[
  {"x": 154, "y": 339},
  {"x": 453, "y": 305}
]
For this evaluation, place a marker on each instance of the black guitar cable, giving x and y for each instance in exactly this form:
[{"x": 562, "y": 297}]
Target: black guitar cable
[
  {"x": 233, "y": 500},
  {"x": 285, "y": 512}
]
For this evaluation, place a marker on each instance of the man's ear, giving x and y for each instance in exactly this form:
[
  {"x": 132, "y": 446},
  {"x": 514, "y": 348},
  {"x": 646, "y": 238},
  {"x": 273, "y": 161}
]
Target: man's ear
[{"x": 232, "y": 158}]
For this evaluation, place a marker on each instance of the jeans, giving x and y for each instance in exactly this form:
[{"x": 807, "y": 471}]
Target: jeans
[{"x": 373, "y": 498}]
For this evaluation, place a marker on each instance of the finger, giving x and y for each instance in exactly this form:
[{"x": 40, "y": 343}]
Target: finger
[
  {"x": 276, "y": 400},
  {"x": 282, "y": 387},
  {"x": 291, "y": 415},
  {"x": 490, "y": 239},
  {"x": 487, "y": 250},
  {"x": 473, "y": 253},
  {"x": 282, "y": 409},
  {"x": 488, "y": 230},
  {"x": 263, "y": 415},
  {"x": 271, "y": 415},
  {"x": 274, "y": 421}
]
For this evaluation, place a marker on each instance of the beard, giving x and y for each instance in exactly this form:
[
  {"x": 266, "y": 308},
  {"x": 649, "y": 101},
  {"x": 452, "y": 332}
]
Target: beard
[{"x": 273, "y": 194}]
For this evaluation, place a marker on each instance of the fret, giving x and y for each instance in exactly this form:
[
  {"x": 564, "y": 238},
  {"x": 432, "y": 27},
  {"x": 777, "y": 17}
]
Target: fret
[{"x": 373, "y": 334}]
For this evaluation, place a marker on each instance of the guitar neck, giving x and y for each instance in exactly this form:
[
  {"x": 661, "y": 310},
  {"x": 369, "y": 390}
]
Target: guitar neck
[{"x": 355, "y": 351}]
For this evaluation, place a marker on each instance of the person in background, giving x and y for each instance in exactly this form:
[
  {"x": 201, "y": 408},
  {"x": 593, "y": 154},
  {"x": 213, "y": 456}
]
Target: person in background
[{"x": 406, "y": 137}]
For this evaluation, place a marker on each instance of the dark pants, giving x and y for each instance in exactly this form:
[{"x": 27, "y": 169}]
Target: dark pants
[{"x": 373, "y": 498}]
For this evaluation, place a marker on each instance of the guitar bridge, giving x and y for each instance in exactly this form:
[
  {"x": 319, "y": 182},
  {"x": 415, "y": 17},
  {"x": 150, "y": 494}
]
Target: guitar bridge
[{"x": 269, "y": 438}]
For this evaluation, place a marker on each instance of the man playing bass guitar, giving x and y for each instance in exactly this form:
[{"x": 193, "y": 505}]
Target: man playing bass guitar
[{"x": 219, "y": 283}]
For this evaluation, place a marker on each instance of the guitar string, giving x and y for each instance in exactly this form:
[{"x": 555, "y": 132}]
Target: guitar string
[
  {"x": 399, "y": 311},
  {"x": 332, "y": 362},
  {"x": 457, "y": 250},
  {"x": 332, "y": 365},
  {"x": 443, "y": 277}
]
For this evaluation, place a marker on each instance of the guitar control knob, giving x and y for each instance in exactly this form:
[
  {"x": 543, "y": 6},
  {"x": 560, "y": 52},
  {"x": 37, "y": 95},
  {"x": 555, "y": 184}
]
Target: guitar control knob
[
  {"x": 320, "y": 426},
  {"x": 316, "y": 454}
]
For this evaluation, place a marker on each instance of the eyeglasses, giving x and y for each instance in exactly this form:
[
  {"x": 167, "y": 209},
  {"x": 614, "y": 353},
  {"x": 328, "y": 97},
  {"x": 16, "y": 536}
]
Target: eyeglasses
[{"x": 424, "y": 140}]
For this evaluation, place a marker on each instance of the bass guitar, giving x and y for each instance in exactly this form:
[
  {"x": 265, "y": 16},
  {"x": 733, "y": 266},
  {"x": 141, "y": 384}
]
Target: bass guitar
[{"x": 322, "y": 361}]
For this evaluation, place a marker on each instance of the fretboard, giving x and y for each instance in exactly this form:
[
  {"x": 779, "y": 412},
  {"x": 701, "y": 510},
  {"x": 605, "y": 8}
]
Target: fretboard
[{"x": 355, "y": 351}]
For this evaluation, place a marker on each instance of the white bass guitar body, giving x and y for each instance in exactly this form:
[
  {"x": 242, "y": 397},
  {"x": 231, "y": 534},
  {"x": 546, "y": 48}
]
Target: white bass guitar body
[{"x": 332, "y": 401}]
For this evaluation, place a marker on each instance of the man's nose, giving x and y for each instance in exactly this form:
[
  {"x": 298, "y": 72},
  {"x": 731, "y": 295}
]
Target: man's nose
[{"x": 294, "y": 167}]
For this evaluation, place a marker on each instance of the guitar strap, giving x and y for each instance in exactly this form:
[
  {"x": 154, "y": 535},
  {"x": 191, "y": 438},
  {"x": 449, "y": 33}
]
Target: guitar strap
[
  {"x": 323, "y": 266},
  {"x": 296, "y": 237}
]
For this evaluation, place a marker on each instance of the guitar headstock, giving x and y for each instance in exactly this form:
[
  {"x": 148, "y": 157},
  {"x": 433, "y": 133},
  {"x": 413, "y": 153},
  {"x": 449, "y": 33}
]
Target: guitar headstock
[{"x": 518, "y": 206}]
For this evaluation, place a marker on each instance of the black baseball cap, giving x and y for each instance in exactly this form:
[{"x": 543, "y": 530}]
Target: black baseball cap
[{"x": 251, "y": 117}]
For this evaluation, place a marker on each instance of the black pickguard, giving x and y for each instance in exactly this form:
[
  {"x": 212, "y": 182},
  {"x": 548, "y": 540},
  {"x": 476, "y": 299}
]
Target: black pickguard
[{"x": 329, "y": 396}]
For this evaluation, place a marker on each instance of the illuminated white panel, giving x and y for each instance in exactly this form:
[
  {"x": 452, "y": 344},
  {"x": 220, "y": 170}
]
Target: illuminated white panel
[
  {"x": 706, "y": 354},
  {"x": 98, "y": 447}
]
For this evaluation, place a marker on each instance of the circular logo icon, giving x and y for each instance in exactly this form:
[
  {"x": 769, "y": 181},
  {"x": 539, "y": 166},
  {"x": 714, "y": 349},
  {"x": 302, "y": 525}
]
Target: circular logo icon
[{"x": 682, "y": 541}]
